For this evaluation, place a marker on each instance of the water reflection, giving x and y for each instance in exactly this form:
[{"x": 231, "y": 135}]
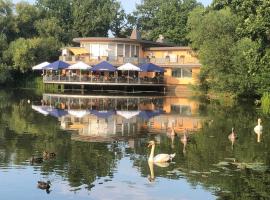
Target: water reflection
[
  {"x": 99, "y": 118},
  {"x": 111, "y": 160}
]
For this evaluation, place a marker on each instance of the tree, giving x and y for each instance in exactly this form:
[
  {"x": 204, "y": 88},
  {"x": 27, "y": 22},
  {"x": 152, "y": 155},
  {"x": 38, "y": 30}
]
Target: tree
[
  {"x": 26, "y": 15},
  {"x": 50, "y": 27},
  {"x": 25, "y": 53},
  {"x": 167, "y": 18},
  {"x": 62, "y": 11},
  {"x": 94, "y": 18},
  {"x": 7, "y": 25}
]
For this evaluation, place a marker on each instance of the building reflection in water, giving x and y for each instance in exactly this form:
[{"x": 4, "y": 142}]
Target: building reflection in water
[{"x": 105, "y": 118}]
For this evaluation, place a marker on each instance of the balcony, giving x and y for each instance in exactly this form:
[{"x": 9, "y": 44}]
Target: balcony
[
  {"x": 102, "y": 80},
  {"x": 119, "y": 60}
]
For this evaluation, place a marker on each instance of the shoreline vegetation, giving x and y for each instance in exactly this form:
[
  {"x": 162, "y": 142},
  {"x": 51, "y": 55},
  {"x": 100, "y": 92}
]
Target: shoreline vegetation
[{"x": 231, "y": 38}]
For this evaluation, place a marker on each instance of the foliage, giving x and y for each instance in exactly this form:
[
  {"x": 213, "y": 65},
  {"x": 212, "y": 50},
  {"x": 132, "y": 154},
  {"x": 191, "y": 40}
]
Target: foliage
[
  {"x": 167, "y": 18},
  {"x": 265, "y": 103},
  {"x": 24, "y": 53},
  {"x": 232, "y": 40},
  {"x": 99, "y": 15}
]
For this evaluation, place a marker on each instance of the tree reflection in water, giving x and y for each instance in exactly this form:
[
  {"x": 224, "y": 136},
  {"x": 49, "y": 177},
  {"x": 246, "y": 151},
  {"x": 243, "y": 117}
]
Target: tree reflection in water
[{"x": 207, "y": 160}]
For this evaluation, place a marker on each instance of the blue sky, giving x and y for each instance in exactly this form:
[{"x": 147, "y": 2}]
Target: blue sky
[{"x": 129, "y": 5}]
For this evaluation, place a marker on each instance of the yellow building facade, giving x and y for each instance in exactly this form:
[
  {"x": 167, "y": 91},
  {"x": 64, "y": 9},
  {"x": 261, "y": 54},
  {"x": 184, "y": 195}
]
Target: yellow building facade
[{"x": 181, "y": 64}]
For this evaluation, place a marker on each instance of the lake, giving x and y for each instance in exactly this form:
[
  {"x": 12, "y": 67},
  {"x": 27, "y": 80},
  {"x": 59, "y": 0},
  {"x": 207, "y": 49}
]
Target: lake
[{"x": 101, "y": 146}]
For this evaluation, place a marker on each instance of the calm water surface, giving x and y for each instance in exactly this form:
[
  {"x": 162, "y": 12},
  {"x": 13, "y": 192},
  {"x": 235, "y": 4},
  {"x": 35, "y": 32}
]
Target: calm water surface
[{"x": 101, "y": 148}]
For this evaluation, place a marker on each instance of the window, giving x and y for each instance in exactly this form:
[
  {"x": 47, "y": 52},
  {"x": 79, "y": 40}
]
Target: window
[
  {"x": 186, "y": 73},
  {"x": 177, "y": 73},
  {"x": 181, "y": 109},
  {"x": 120, "y": 49},
  {"x": 127, "y": 50},
  {"x": 132, "y": 50},
  {"x": 182, "y": 73},
  {"x": 137, "y": 51}
]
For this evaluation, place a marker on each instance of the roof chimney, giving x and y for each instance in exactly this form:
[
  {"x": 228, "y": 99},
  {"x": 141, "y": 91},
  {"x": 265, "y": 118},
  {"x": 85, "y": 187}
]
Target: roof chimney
[
  {"x": 160, "y": 39},
  {"x": 135, "y": 35}
]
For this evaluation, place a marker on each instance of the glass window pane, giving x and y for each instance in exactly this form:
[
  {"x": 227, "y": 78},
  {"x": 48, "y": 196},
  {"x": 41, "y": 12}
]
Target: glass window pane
[
  {"x": 120, "y": 49},
  {"x": 187, "y": 73},
  {"x": 127, "y": 50},
  {"x": 176, "y": 72},
  {"x": 132, "y": 50}
]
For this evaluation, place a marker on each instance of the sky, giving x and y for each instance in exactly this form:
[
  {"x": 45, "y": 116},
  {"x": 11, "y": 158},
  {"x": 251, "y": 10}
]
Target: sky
[{"x": 129, "y": 5}]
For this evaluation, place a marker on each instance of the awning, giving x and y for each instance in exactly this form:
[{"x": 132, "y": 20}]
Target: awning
[
  {"x": 150, "y": 67},
  {"x": 128, "y": 114},
  {"x": 104, "y": 66},
  {"x": 40, "y": 66},
  {"x": 129, "y": 67},
  {"x": 78, "y": 50},
  {"x": 80, "y": 65},
  {"x": 57, "y": 65}
]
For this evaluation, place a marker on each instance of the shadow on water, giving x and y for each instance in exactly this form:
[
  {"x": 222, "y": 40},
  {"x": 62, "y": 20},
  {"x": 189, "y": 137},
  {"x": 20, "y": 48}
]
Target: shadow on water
[{"x": 101, "y": 143}]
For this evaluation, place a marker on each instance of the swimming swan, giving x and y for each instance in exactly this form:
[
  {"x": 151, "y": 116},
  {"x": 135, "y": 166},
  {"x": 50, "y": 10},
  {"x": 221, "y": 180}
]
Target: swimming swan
[
  {"x": 258, "y": 129},
  {"x": 160, "y": 157}
]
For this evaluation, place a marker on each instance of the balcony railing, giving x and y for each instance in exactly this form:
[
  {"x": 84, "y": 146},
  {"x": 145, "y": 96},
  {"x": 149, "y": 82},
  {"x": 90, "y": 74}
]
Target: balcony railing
[
  {"x": 119, "y": 60},
  {"x": 103, "y": 79}
]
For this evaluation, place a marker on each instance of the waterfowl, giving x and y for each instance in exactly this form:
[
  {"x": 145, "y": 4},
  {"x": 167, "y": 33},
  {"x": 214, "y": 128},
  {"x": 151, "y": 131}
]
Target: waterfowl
[
  {"x": 34, "y": 159},
  {"x": 160, "y": 157},
  {"x": 48, "y": 155},
  {"x": 184, "y": 140},
  {"x": 44, "y": 185},
  {"x": 232, "y": 137},
  {"x": 258, "y": 129}
]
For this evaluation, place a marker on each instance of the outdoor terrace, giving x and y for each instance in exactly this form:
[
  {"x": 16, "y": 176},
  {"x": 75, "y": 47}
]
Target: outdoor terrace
[
  {"x": 119, "y": 60},
  {"x": 103, "y": 80}
]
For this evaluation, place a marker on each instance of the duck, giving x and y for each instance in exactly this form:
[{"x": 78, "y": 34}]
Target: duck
[
  {"x": 48, "y": 155},
  {"x": 44, "y": 185},
  {"x": 258, "y": 129},
  {"x": 160, "y": 158},
  {"x": 34, "y": 159}
]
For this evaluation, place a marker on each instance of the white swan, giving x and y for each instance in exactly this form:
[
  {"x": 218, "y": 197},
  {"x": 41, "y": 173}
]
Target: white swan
[
  {"x": 258, "y": 129},
  {"x": 232, "y": 137},
  {"x": 160, "y": 157}
]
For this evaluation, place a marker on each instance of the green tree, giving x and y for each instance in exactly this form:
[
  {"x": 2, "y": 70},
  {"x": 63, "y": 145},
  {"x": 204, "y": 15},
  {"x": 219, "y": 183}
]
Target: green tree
[
  {"x": 167, "y": 18},
  {"x": 94, "y": 18},
  {"x": 24, "y": 53},
  {"x": 62, "y": 11},
  {"x": 7, "y": 25},
  {"x": 26, "y": 15}
]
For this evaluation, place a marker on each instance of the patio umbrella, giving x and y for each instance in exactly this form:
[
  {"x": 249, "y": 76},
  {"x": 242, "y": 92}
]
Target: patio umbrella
[
  {"x": 128, "y": 114},
  {"x": 80, "y": 65},
  {"x": 129, "y": 67},
  {"x": 147, "y": 114},
  {"x": 40, "y": 66},
  {"x": 102, "y": 113},
  {"x": 57, "y": 112},
  {"x": 41, "y": 109},
  {"x": 150, "y": 67},
  {"x": 78, "y": 113},
  {"x": 104, "y": 66},
  {"x": 57, "y": 65}
]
